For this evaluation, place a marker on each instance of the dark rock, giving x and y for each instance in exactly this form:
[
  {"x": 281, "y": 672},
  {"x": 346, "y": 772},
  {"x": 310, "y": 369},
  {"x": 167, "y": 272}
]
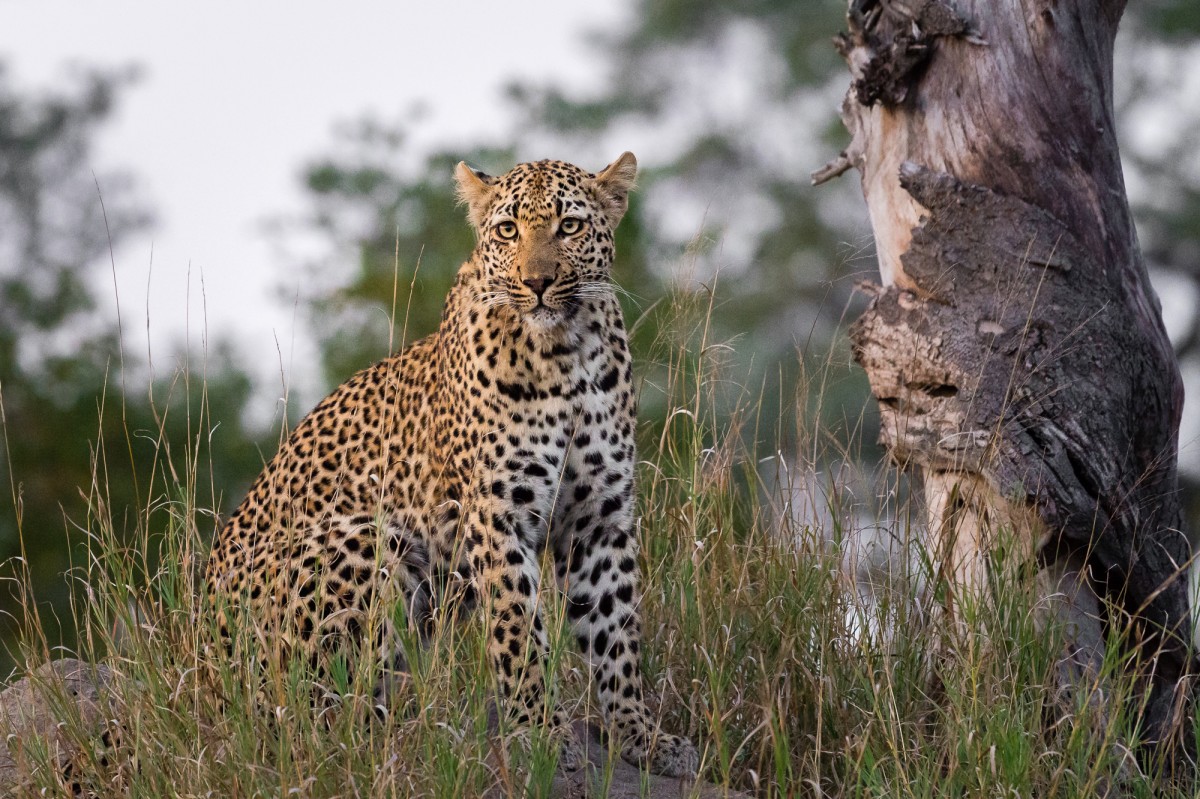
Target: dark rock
[{"x": 35, "y": 711}]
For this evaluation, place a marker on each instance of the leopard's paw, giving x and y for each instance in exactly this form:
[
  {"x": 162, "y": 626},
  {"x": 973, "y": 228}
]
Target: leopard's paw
[
  {"x": 667, "y": 755},
  {"x": 571, "y": 755}
]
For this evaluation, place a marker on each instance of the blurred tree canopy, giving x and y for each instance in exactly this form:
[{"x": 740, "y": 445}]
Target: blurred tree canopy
[{"x": 87, "y": 437}]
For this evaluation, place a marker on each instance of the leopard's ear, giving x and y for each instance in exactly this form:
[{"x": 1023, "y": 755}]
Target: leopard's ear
[
  {"x": 474, "y": 191},
  {"x": 615, "y": 182}
]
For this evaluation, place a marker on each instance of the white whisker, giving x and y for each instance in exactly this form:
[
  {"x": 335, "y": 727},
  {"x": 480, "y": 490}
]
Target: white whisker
[{"x": 493, "y": 299}]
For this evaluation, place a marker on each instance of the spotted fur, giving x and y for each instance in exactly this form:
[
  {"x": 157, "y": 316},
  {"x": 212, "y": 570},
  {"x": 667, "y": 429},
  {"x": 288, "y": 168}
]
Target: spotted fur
[{"x": 506, "y": 433}]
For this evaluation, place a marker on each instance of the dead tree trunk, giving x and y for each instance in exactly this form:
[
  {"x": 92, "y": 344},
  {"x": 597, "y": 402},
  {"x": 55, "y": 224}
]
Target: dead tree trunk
[{"x": 1015, "y": 346}]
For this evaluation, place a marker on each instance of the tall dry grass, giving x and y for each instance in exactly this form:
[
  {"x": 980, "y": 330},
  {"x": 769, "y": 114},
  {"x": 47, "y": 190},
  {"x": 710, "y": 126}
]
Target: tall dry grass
[{"x": 793, "y": 679}]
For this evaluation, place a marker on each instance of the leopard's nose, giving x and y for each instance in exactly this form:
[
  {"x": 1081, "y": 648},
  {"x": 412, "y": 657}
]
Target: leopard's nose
[{"x": 538, "y": 284}]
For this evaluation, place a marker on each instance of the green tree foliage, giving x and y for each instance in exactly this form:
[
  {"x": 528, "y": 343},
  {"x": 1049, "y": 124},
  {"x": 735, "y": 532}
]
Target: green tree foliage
[
  {"x": 1174, "y": 21},
  {"x": 52, "y": 216},
  {"x": 390, "y": 222},
  {"x": 87, "y": 436},
  {"x": 1159, "y": 118},
  {"x": 1160, "y": 135}
]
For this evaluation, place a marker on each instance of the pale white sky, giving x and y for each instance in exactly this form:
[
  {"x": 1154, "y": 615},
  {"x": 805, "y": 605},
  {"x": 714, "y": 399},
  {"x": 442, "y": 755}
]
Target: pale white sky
[{"x": 235, "y": 96}]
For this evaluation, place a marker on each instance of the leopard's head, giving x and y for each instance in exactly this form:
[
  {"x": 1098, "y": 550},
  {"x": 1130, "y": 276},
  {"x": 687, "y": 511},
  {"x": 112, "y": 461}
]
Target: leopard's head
[{"x": 545, "y": 234}]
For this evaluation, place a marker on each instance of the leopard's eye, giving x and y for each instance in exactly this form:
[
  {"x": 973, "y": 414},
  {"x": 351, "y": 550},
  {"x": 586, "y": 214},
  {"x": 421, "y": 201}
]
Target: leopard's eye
[
  {"x": 506, "y": 230},
  {"x": 570, "y": 226}
]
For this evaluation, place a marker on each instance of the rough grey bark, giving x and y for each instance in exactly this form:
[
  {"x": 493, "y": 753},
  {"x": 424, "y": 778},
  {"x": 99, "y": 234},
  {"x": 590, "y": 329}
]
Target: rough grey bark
[{"x": 1015, "y": 346}]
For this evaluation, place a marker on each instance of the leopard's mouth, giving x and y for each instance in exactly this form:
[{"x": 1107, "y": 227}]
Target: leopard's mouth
[{"x": 546, "y": 315}]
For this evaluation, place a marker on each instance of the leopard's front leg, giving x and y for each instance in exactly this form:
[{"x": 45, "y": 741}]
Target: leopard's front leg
[
  {"x": 597, "y": 561},
  {"x": 507, "y": 575}
]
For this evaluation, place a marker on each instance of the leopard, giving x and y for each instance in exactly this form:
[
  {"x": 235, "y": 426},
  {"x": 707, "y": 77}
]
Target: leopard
[{"x": 504, "y": 439}]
